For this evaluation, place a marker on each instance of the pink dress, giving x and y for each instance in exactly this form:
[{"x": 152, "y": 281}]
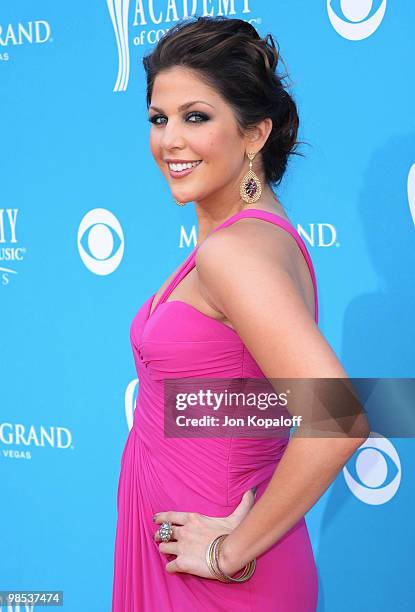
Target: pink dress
[{"x": 205, "y": 475}]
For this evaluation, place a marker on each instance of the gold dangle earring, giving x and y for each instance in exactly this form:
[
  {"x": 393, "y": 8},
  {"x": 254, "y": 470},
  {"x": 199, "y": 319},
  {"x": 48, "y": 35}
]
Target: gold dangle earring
[{"x": 250, "y": 188}]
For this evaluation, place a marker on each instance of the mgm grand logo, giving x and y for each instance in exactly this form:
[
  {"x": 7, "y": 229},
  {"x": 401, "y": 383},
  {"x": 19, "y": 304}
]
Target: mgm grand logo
[
  {"x": 31, "y": 32},
  {"x": 19, "y": 439}
]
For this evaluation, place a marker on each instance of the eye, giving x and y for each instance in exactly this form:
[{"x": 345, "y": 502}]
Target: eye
[
  {"x": 154, "y": 118},
  {"x": 199, "y": 118},
  {"x": 202, "y": 116}
]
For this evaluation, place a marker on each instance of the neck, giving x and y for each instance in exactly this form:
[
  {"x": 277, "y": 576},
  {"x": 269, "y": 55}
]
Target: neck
[{"x": 213, "y": 211}]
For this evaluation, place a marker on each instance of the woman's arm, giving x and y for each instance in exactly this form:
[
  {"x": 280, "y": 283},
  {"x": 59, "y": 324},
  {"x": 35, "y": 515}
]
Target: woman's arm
[{"x": 252, "y": 274}]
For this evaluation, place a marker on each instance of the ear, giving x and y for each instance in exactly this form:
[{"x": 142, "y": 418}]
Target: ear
[{"x": 257, "y": 135}]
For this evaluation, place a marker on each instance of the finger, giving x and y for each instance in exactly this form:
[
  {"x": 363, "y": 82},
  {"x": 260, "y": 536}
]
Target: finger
[
  {"x": 157, "y": 537},
  {"x": 179, "y": 518},
  {"x": 174, "y": 536},
  {"x": 172, "y": 567},
  {"x": 169, "y": 548},
  {"x": 247, "y": 501}
]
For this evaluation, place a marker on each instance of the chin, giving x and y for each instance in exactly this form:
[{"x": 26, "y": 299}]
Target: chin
[{"x": 183, "y": 197}]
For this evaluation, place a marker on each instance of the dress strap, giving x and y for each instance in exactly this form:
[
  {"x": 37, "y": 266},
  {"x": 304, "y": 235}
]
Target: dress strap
[
  {"x": 175, "y": 280},
  {"x": 256, "y": 213}
]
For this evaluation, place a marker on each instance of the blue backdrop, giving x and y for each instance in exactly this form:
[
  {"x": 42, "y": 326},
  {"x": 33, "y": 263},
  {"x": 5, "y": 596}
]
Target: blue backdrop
[{"x": 89, "y": 229}]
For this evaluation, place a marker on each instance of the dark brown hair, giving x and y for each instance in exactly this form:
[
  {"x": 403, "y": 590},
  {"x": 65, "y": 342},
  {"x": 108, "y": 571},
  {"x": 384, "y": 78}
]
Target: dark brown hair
[{"x": 233, "y": 59}]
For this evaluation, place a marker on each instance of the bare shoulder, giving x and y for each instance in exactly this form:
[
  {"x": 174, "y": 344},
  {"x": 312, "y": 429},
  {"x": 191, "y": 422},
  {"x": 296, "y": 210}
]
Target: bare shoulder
[
  {"x": 248, "y": 233},
  {"x": 248, "y": 245},
  {"x": 250, "y": 272}
]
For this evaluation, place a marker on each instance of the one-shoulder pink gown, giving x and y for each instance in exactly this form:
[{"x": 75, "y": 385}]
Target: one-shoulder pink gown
[{"x": 205, "y": 475}]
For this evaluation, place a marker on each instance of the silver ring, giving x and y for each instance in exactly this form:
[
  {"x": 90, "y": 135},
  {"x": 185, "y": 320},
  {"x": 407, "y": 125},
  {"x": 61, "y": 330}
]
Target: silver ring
[{"x": 166, "y": 531}]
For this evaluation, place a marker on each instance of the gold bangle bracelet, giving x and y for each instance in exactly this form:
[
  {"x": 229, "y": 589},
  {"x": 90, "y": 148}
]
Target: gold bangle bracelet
[
  {"x": 212, "y": 559},
  {"x": 247, "y": 571}
]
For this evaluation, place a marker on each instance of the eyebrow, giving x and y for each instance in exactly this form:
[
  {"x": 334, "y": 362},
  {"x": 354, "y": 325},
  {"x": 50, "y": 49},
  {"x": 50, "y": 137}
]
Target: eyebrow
[{"x": 184, "y": 106}]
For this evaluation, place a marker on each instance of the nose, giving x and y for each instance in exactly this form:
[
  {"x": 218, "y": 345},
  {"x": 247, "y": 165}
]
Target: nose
[{"x": 173, "y": 136}]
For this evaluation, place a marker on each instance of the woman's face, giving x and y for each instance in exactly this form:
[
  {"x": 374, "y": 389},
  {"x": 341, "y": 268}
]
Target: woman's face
[{"x": 204, "y": 131}]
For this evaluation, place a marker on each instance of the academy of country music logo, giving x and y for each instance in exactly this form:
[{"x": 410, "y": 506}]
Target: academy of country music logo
[
  {"x": 321, "y": 235},
  {"x": 150, "y": 19},
  {"x": 356, "y": 20},
  {"x": 11, "y": 253},
  {"x": 18, "y": 440}
]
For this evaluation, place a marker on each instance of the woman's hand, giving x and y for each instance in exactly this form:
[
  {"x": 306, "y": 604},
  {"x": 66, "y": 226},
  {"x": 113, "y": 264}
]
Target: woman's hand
[{"x": 192, "y": 534}]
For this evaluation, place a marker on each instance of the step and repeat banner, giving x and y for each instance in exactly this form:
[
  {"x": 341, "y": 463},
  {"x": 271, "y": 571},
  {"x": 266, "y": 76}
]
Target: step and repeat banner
[{"x": 89, "y": 230}]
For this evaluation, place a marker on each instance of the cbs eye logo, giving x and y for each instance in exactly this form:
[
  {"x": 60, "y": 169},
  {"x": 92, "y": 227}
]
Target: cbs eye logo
[
  {"x": 100, "y": 241},
  {"x": 411, "y": 191},
  {"x": 356, "y": 19},
  {"x": 130, "y": 400},
  {"x": 374, "y": 473}
]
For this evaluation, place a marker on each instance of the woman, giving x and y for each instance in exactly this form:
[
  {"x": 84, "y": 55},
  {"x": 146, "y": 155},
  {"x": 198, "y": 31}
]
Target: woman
[{"x": 243, "y": 304}]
